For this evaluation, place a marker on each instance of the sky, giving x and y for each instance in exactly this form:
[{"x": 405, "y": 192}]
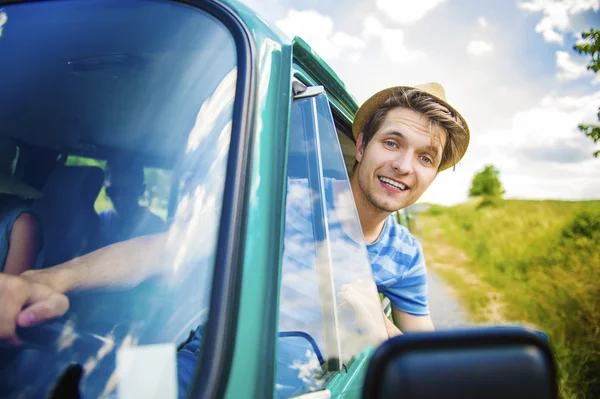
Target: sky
[{"x": 507, "y": 65}]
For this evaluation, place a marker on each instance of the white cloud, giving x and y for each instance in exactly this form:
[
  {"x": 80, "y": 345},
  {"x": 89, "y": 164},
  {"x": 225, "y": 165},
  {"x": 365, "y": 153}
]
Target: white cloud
[
  {"x": 347, "y": 41},
  {"x": 3, "y": 19},
  {"x": 569, "y": 69},
  {"x": 479, "y": 47},
  {"x": 392, "y": 41},
  {"x": 319, "y": 32},
  {"x": 482, "y": 22},
  {"x": 543, "y": 149},
  {"x": 406, "y": 12},
  {"x": 557, "y": 15},
  {"x": 541, "y": 154}
]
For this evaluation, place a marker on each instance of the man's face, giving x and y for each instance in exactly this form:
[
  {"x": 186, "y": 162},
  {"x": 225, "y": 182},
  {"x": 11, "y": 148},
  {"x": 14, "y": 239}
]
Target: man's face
[{"x": 400, "y": 162}]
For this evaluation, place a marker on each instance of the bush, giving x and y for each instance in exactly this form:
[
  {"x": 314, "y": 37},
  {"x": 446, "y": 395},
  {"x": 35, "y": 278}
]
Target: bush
[
  {"x": 487, "y": 183},
  {"x": 435, "y": 210},
  {"x": 586, "y": 224},
  {"x": 488, "y": 201}
]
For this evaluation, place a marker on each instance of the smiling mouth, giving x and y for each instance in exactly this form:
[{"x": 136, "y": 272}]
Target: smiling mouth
[{"x": 393, "y": 183}]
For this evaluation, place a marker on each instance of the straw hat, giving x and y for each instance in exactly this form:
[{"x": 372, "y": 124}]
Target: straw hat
[
  {"x": 376, "y": 101},
  {"x": 8, "y": 183}
]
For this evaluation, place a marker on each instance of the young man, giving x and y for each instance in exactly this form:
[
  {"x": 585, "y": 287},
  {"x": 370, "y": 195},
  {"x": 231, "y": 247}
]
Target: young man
[{"x": 404, "y": 135}]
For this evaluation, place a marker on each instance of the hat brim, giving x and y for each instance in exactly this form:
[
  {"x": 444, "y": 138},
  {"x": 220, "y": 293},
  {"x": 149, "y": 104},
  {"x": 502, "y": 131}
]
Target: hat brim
[
  {"x": 13, "y": 186},
  {"x": 377, "y": 100}
]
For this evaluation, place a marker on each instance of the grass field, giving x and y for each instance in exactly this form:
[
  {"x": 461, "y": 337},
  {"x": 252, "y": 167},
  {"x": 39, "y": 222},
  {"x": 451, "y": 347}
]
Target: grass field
[{"x": 543, "y": 257}]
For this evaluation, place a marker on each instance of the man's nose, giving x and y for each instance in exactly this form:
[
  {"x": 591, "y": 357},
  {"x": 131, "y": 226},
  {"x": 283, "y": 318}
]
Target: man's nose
[{"x": 404, "y": 163}]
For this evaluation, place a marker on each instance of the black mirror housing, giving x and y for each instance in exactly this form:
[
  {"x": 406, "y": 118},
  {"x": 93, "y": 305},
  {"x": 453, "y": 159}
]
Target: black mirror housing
[{"x": 492, "y": 363}]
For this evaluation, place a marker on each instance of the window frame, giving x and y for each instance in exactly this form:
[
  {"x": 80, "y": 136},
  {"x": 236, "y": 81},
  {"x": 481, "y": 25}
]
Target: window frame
[
  {"x": 213, "y": 367},
  {"x": 320, "y": 225}
]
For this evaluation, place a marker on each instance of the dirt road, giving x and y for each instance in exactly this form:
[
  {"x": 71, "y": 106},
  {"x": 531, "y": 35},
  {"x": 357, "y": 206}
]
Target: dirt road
[{"x": 446, "y": 309}]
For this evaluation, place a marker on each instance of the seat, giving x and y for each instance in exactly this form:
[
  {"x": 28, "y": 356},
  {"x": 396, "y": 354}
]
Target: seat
[{"x": 70, "y": 222}]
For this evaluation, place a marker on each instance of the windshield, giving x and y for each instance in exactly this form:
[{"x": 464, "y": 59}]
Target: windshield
[{"x": 120, "y": 113}]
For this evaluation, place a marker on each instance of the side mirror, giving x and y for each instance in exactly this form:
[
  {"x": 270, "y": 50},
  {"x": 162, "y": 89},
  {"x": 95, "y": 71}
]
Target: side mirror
[{"x": 502, "y": 362}]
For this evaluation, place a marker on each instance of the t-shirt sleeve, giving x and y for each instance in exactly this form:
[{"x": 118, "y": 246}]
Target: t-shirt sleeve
[{"x": 408, "y": 292}]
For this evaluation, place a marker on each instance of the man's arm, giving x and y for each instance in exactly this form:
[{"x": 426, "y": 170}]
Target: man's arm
[{"x": 411, "y": 323}]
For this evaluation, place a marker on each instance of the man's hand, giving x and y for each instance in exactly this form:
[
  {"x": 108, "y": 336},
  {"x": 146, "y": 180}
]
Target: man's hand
[
  {"x": 363, "y": 298},
  {"x": 26, "y": 303}
]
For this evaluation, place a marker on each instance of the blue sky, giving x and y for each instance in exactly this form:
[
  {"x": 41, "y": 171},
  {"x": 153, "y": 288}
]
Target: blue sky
[{"x": 507, "y": 65}]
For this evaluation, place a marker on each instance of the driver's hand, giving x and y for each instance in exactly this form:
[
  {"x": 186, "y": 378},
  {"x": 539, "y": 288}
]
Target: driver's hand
[{"x": 26, "y": 303}]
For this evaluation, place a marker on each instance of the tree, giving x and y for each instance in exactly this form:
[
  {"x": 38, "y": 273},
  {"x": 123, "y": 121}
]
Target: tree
[
  {"x": 487, "y": 183},
  {"x": 591, "y": 46}
]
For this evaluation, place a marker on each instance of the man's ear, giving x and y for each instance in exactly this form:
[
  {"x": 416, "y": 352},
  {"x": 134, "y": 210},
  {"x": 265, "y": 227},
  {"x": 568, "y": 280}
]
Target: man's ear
[{"x": 360, "y": 147}]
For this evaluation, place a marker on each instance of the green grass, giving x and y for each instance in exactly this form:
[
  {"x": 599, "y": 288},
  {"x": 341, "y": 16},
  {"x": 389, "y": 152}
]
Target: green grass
[{"x": 544, "y": 257}]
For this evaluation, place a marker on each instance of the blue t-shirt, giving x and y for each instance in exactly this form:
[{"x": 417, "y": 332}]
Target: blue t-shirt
[{"x": 399, "y": 268}]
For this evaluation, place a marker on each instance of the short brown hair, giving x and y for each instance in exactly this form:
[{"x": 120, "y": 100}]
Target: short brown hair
[{"x": 439, "y": 115}]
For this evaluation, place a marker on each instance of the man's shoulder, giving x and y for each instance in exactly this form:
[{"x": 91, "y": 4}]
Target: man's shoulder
[{"x": 400, "y": 234}]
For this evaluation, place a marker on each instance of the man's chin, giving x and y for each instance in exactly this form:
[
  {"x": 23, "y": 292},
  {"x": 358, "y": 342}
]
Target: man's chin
[{"x": 387, "y": 207}]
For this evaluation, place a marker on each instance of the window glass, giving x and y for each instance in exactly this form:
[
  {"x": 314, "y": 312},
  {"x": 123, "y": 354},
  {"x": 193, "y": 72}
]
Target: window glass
[
  {"x": 157, "y": 183},
  {"x": 122, "y": 111},
  {"x": 324, "y": 260},
  {"x": 300, "y": 304},
  {"x": 361, "y": 326}
]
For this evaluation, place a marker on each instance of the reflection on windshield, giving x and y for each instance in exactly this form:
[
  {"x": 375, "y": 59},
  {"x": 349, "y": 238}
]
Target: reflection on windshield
[
  {"x": 3, "y": 20},
  {"x": 196, "y": 219},
  {"x": 157, "y": 142}
]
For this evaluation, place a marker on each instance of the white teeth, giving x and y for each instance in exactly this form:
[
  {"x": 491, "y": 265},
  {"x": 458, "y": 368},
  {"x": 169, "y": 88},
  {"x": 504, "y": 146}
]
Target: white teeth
[{"x": 393, "y": 183}]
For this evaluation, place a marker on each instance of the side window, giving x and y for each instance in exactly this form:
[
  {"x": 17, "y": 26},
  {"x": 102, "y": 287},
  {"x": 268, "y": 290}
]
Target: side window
[
  {"x": 350, "y": 268},
  {"x": 302, "y": 306},
  {"x": 324, "y": 259}
]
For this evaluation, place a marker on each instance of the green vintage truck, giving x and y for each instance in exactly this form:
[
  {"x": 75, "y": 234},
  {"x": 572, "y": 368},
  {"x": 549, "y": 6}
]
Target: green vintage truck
[{"x": 212, "y": 135}]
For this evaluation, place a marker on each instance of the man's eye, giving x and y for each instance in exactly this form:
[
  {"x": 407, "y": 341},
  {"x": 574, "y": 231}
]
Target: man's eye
[
  {"x": 426, "y": 159},
  {"x": 390, "y": 144}
]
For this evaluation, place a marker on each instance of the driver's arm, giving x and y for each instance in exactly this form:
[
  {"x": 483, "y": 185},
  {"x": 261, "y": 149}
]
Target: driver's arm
[
  {"x": 118, "y": 266},
  {"x": 38, "y": 295}
]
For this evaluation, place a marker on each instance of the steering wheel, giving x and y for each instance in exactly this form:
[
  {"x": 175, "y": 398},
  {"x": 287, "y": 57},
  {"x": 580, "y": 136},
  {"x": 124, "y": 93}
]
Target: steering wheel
[
  {"x": 89, "y": 335},
  {"x": 32, "y": 369}
]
